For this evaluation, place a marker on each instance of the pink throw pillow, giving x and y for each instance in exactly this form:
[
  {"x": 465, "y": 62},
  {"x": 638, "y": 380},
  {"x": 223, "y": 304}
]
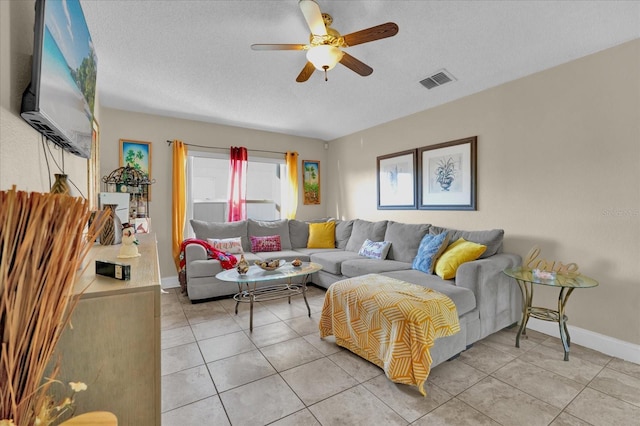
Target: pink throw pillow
[{"x": 262, "y": 244}]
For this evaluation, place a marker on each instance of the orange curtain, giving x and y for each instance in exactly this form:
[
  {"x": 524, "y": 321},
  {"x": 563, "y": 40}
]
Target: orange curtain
[
  {"x": 290, "y": 209},
  {"x": 178, "y": 214},
  {"x": 237, "y": 184}
]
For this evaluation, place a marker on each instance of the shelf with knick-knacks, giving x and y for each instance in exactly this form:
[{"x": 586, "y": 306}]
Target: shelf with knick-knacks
[{"x": 129, "y": 180}]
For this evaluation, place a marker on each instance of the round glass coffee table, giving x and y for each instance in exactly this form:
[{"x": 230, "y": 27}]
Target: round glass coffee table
[
  {"x": 249, "y": 292},
  {"x": 566, "y": 282}
]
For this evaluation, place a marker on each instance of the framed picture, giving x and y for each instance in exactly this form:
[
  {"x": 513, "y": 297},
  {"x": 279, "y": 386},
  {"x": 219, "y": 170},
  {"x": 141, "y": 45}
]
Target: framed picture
[
  {"x": 93, "y": 169},
  {"x": 311, "y": 181},
  {"x": 397, "y": 181},
  {"x": 137, "y": 154},
  {"x": 447, "y": 175}
]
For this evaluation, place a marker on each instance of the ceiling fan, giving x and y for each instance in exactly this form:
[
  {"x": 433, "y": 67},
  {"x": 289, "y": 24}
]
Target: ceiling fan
[{"x": 325, "y": 43}]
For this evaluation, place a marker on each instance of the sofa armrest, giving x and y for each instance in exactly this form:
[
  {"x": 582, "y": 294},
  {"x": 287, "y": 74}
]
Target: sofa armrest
[
  {"x": 498, "y": 297},
  {"x": 195, "y": 252}
]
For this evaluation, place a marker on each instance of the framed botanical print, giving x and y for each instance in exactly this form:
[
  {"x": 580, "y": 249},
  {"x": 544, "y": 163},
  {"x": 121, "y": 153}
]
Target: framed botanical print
[
  {"x": 447, "y": 175},
  {"x": 397, "y": 181}
]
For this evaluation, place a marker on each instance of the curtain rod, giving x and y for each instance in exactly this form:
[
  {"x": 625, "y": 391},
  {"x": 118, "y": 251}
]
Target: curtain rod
[{"x": 227, "y": 148}]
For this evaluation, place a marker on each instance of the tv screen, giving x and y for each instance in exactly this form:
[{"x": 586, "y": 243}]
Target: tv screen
[{"x": 60, "y": 98}]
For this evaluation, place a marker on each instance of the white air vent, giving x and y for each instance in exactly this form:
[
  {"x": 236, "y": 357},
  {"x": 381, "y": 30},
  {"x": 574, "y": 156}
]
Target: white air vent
[{"x": 438, "y": 79}]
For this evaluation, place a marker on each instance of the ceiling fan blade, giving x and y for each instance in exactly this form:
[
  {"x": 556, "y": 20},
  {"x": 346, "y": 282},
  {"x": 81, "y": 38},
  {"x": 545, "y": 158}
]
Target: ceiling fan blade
[
  {"x": 355, "y": 65},
  {"x": 370, "y": 34},
  {"x": 313, "y": 16},
  {"x": 305, "y": 73},
  {"x": 278, "y": 46}
]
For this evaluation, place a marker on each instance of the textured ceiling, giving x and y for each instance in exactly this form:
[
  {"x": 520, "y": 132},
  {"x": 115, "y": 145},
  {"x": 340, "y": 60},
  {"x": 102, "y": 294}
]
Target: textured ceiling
[{"x": 192, "y": 59}]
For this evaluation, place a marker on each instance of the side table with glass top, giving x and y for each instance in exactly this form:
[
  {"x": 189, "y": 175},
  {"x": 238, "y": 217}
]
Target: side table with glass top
[
  {"x": 566, "y": 282},
  {"x": 249, "y": 292}
]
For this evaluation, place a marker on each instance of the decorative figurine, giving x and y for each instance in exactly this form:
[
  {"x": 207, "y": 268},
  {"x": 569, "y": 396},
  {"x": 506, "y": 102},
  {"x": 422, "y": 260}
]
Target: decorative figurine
[
  {"x": 129, "y": 246},
  {"x": 243, "y": 265}
]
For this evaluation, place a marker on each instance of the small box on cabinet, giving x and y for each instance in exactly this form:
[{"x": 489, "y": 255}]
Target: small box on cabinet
[{"x": 115, "y": 270}]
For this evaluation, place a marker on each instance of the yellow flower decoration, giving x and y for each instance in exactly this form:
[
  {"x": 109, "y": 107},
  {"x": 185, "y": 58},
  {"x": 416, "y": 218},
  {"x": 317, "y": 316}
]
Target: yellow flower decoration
[{"x": 78, "y": 386}]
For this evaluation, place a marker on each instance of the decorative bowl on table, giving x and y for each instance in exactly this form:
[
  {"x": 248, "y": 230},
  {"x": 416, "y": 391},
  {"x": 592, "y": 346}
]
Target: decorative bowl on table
[
  {"x": 269, "y": 265},
  {"x": 296, "y": 263},
  {"x": 543, "y": 275}
]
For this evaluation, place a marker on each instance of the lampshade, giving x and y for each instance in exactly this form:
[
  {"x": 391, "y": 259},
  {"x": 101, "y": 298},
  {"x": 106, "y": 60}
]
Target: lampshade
[{"x": 324, "y": 57}]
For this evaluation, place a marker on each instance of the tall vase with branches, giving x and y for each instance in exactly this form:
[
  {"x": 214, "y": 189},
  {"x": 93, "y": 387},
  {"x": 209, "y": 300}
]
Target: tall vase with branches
[{"x": 42, "y": 244}]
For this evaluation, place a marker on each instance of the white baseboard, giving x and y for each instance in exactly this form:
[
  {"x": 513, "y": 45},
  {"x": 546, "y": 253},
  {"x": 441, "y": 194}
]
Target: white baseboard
[
  {"x": 599, "y": 342},
  {"x": 170, "y": 282}
]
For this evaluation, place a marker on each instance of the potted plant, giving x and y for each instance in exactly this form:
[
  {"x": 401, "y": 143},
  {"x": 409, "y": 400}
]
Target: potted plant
[{"x": 445, "y": 173}]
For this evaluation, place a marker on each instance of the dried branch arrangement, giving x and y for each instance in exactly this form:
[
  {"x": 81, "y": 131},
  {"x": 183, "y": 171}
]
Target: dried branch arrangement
[{"x": 42, "y": 245}]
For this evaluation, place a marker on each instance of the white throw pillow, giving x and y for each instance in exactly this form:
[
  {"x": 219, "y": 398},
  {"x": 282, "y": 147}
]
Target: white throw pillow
[
  {"x": 375, "y": 249},
  {"x": 227, "y": 245}
]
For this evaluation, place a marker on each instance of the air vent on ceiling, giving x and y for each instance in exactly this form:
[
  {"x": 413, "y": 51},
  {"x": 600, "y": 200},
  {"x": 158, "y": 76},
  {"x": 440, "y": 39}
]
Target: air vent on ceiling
[{"x": 438, "y": 79}]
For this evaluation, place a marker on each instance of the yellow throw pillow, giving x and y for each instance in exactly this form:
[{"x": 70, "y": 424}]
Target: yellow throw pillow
[
  {"x": 455, "y": 255},
  {"x": 322, "y": 235}
]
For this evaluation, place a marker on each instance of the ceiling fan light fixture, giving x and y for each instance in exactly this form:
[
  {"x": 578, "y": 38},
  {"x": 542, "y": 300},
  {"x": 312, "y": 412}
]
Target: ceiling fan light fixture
[{"x": 324, "y": 57}]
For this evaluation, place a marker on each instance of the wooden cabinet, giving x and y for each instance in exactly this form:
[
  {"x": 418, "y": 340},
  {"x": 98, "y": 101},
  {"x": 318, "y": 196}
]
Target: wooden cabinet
[{"x": 114, "y": 343}]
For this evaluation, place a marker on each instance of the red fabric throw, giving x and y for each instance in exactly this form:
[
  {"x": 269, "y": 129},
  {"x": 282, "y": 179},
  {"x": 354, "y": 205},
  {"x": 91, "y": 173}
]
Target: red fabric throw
[{"x": 227, "y": 260}]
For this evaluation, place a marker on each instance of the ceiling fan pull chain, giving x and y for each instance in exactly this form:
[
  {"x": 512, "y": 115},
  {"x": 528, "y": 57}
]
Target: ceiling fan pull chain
[{"x": 326, "y": 68}]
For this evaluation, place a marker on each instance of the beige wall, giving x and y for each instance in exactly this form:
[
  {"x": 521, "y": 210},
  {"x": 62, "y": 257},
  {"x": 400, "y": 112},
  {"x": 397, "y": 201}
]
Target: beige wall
[
  {"x": 117, "y": 124},
  {"x": 558, "y": 166},
  {"x": 22, "y": 159}
]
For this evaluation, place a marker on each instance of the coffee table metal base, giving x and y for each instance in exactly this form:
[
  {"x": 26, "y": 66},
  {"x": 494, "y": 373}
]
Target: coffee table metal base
[{"x": 250, "y": 294}]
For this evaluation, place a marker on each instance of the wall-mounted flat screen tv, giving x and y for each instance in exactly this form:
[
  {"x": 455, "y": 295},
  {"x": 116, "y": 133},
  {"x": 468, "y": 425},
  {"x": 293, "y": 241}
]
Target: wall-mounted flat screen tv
[{"x": 60, "y": 98}]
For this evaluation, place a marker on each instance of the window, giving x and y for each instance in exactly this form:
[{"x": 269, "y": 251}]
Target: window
[{"x": 208, "y": 183}]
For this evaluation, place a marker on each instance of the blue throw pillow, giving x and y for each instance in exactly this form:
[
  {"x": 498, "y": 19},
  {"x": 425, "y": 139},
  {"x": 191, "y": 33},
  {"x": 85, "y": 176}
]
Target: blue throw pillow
[{"x": 431, "y": 247}]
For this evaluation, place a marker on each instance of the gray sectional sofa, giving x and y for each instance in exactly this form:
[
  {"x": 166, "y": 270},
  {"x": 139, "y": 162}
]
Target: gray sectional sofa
[{"x": 485, "y": 298}]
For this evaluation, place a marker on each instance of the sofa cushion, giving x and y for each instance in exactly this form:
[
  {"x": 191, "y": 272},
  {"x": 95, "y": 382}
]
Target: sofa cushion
[
  {"x": 343, "y": 232},
  {"x": 205, "y": 230},
  {"x": 310, "y": 251},
  {"x": 267, "y": 243},
  {"x": 455, "y": 255},
  {"x": 361, "y": 266},
  {"x": 431, "y": 248},
  {"x": 331, "y": 260},
  {"x": 227, "y": 245},
  {"x": 286, "y": 255},
  {"x": 211, "y": 267},
  {"x": 490, "y": 238},
  {"x": 463, "y": 298},
  {"x": 322, "y": 235},
  {"x": 298, "y": 233},
  {"x": 374, "y": 249},
  {"x": 263, "y": 228},
  {"x": 405, "y": 240},
  {"x": 363, "y": 230}
]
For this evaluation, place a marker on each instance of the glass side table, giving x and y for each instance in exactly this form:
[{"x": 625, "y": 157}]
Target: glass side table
[{"x": 566, "y": 282}]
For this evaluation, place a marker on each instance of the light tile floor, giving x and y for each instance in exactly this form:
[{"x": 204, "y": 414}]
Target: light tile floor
[{"x": 215, "y": 372}]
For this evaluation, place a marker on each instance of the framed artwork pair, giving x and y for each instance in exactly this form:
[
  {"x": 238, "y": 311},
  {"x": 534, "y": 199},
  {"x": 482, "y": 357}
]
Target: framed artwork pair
[{"x": 435, "y": 177}]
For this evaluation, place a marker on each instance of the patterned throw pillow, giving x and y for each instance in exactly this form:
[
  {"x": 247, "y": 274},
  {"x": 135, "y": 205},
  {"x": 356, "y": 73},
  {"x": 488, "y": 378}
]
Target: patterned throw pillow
[
  {"x": 227, "y": 245},
  {"x": 268, "y": 243},
  {"x": 430, "y": 249},
  {"x": 375, "y": 249}
]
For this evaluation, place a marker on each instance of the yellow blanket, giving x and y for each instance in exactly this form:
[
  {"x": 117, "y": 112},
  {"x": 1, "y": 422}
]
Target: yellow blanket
[{"x": 389, "y": 322}]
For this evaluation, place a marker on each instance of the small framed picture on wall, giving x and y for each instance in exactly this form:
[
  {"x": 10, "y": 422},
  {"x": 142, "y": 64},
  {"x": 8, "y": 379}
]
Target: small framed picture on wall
[
  {"x": 311, "y": 181},
  {"x": 137, "y": 154}
]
